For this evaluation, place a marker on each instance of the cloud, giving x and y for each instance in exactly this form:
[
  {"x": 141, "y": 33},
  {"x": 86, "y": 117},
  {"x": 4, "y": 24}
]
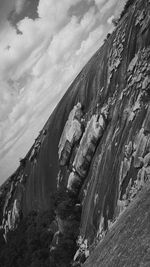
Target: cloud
[
  {"x": 110, "y": 19},
  {"x": 99, "y": 2},
  {"x": 19, "y": 4},
  {"x": 54, "y": 13},
  {"x": 108, "y": 7},
  {"x": 6, "y": 100},
  {"x": 5, "y": 8},
  {"x": 92, "y": 43},
  {"x": 70, "y": 37}
]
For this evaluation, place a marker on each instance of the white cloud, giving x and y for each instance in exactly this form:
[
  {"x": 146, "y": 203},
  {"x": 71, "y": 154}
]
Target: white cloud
[
  {"x": 110, "y": 19},
  {"x": 70, "y": 37},
  {"x": 109, "y": 4},
  {"x": 110, "y": 7},
  {"x": 99, "y": 3},
  {"x": 92, "y": 43},
  {"x": 54, "y": 13}
]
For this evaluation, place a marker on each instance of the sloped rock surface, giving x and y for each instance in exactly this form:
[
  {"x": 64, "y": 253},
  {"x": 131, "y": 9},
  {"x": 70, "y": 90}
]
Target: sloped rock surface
[{"x": 127, "y": 243}]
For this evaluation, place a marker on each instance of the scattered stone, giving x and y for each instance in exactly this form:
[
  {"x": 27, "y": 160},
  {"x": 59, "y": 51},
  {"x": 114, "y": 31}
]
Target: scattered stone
[
  {"x": 115, "y": 55},
  {"x": 140, "y": 17},
  {"x": 132, "y": 65},
  {"x": 139, "y": 145},
  {"x": 128, "y": 149},
  {"x": 74, "y": 182},
  {"x": 83, "y": 252},
  {"x": 146, "y": 83}
]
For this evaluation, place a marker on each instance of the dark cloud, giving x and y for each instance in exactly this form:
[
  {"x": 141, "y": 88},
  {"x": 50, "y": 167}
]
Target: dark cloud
[
  {"x": 6, "y": 6},
  {"x": 80, "y": 8},
  {"x": 28, "y": 8}
]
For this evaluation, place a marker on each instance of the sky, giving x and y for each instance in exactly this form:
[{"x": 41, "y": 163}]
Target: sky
[{"x": 43, "y": 47}]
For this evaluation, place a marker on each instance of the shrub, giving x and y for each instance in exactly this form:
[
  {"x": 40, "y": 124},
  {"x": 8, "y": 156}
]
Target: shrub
[{"x": 29, "y": 244}]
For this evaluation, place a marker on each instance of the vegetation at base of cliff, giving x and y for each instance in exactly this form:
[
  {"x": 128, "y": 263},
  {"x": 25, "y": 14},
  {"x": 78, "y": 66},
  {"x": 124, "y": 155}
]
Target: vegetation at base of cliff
[
  {"x": 68, "y": 210},
  {"x": 29, "y": 244}
]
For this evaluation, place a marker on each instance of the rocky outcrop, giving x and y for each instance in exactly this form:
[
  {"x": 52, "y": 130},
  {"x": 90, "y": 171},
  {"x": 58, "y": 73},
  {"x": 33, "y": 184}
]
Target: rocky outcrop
[
  {"x": 12, "y": 211},
  {"x": 71, "y": 134},
  {"x": 82, "y": 160}
]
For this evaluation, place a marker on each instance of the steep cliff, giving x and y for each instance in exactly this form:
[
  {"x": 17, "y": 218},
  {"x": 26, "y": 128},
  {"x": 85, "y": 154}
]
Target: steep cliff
[{"x": 94, "y": 150}]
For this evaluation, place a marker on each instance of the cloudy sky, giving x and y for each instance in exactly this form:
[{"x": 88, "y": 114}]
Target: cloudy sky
[{"x": 43, "y": 46}]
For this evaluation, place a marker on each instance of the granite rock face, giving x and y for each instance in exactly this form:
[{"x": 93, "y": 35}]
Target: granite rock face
[
  {"x": 96, "y": 143},
  {"x": 127, "y": 243}
]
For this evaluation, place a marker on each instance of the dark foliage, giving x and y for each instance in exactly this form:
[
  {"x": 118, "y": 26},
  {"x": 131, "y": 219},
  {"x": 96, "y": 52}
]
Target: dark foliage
[
  {"x": 23, "y": 162},
  {"x": 69, "y": 212},
  {"x": 29, "y": 244}
]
